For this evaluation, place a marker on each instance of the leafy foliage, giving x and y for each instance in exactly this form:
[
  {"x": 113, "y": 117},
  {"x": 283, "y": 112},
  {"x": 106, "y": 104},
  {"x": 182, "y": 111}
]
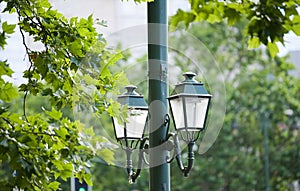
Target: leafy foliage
[
  {"x": 267, "y": 21},
  {"x": 71, "y": 71},
  {"x": 256, "y": 85}
]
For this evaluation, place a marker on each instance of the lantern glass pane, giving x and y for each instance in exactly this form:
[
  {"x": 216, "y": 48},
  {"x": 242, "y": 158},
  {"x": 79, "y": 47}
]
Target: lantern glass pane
[
  {"x": 136, "y": 123},
  {"x": 119, "y": 128},
  {"x": 196, "y": 108},
  {"x": 177, "y": 111}
]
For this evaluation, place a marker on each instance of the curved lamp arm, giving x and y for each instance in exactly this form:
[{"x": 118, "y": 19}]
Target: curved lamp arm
[
  {"x": 177, "y": 153},
  {"x": 133, "y": 175},
  {"x": 186, "y": 170}
]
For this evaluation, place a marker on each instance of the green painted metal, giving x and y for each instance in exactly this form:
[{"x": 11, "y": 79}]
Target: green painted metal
[
  {"x": 132, "y": 98},
  {"x": 190, "y": 87},
  {"x": 265, "y": 124},
  {"x": 158, "y": 92}
]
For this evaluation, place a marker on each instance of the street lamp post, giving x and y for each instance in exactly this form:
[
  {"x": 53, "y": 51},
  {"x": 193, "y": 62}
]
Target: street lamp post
[
  {"x": 265, "y": 125},
  {"x": 189, "y": 105},
  {"x": 158, "y": 92}
]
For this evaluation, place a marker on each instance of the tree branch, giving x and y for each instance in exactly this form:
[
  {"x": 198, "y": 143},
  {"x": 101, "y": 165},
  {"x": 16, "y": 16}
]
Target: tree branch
[{"x": 27, "y": 49}]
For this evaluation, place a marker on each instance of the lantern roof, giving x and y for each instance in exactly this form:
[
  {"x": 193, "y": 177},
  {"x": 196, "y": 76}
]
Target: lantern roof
[
  {"x": 189, "y": 86},
  {"x": 132, "y": 98}
]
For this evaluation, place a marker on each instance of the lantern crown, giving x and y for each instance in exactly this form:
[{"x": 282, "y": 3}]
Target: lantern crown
[
  {"x": 132, "y": 98},
  {"x": 189, "y": 86}
]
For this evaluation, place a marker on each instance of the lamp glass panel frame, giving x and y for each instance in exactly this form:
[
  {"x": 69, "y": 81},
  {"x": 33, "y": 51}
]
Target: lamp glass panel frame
[
  {"x": 134, "y": 126},
  {"x": 189, "y": 112}
]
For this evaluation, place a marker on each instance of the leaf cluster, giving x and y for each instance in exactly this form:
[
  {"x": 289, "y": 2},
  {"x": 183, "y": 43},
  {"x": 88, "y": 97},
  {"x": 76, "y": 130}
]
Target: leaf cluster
[
  {"x": 36, "y": 153},
  {"x": 70, "y": 72},
  {"x": 268, "y": 21}
]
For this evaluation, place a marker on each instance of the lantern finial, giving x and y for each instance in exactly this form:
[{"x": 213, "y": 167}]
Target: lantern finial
[
  {"x": 190, "y": 77},
  {"x": 130, "y": 90}
]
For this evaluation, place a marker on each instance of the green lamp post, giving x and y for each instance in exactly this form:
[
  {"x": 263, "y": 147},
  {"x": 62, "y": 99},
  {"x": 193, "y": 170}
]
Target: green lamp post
[
  {"x": 189, "y": 107},
  {"x": 158, "y": 92}
]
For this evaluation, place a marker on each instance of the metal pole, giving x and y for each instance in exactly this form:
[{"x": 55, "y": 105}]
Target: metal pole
[
  {"x": 266, "y": 152},
  {"x": 158, "y": 92},
  {"x": 73, "y": 184}
]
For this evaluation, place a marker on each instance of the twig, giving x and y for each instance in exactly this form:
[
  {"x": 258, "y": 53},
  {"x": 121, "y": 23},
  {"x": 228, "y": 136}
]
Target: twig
[{"x": 31, "y": 64}]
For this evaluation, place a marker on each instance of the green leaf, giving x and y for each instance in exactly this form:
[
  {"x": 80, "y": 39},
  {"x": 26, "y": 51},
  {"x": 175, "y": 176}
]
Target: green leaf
[
  {"x": 13, "y": 10},
  {"x": 65, "y": 174},
  {"x": 58, "y": 145},
  {"x": 4, "y": 69},
  {"x": 253, "y": 42},
  {"x": 7, "y": 28},
  {"x": 212, "y": 18},
  {"x": 89, "y": 79},
  {"x": 54, "y": 185},
  {"x": 195, "y": 4},
  {"x": 88, "y": 179},
  {"x": 2, "y": 40},
  {"x": 67, "y": 171},
  {"x": 114, "y": 58},
  {"x": 76, "y": 48},
  {"x": 232, "y": 16},
  {"x": 83, "y": 31},
  {"x": 296, "y": 25},
  {"x": 45, "y": 4},
  {"x": 8, "y": 92},
  {"x": 62, "y": 132},
  {"x": 58, "y": 164},
  {"x": 54, "y": 114},
  {"x": 41, "y": 65},
  {"x": 273, "y": 49},
  {"x": 181, "y": 16}
]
